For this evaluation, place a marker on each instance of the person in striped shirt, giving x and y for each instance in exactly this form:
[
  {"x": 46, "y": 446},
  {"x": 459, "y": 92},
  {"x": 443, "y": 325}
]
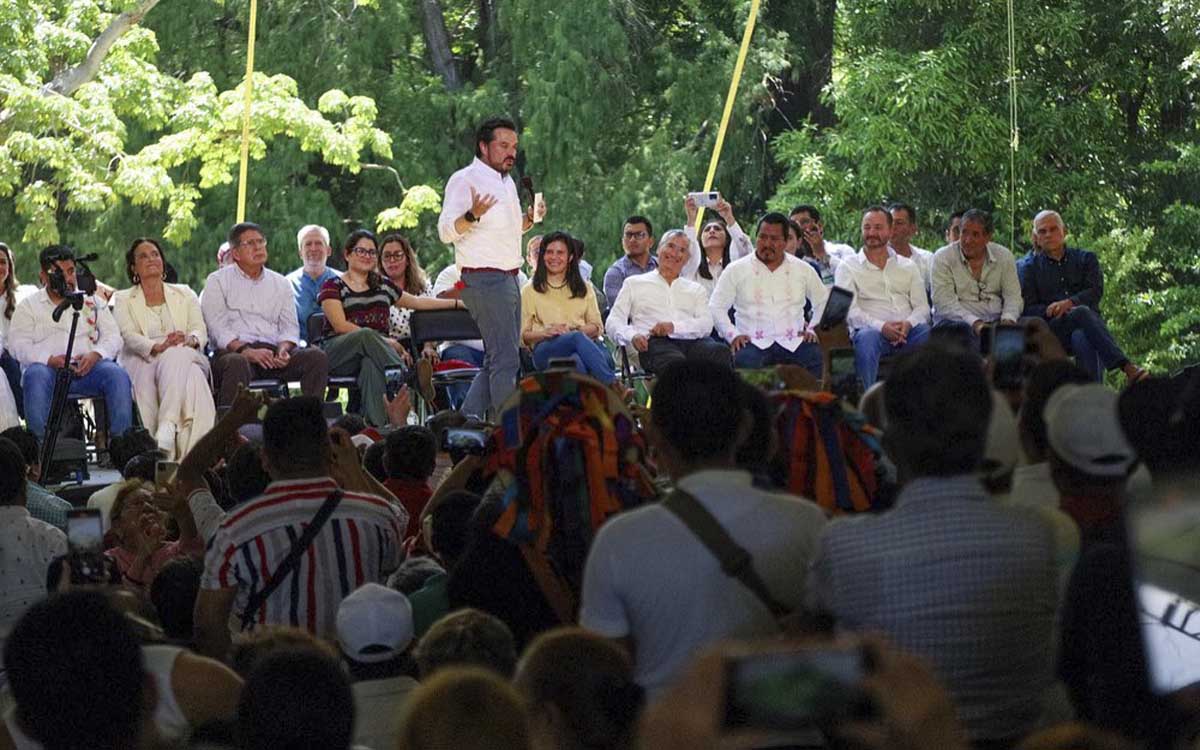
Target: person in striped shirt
[{"x": 360, "y": 542}]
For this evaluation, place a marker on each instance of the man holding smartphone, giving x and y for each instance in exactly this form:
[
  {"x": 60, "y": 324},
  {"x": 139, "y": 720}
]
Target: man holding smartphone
[{"x": 482, "y": 218}]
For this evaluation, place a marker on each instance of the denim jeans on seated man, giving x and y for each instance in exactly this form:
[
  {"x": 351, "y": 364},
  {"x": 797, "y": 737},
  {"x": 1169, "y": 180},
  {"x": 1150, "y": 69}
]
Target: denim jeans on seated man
[
  {"x": 870, "y": 346},
  {"x": 1083, "y": 334},
  {"x": 592, "y": 355},
  {"x": 456, "y": 393},
  {"x": 807, "y": 355},
  {"x": 106, "y": 379}
]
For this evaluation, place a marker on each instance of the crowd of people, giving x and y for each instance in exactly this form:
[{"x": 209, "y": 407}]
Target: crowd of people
[{"x": 553, "y": 566}]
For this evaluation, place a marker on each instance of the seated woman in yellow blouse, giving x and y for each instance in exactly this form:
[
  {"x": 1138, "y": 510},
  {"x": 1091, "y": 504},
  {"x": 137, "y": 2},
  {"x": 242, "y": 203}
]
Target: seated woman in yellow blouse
[{"x": 559, "y": 313}]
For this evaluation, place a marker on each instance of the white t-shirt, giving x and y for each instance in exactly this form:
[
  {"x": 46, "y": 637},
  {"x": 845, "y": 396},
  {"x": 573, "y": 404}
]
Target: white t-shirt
[{"x": 648, "y": 577}]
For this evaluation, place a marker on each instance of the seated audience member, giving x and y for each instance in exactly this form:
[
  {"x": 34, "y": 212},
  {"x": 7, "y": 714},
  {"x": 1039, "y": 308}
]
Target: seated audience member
[
  {"x": 363, "y": 533},
  {"x": 826, "y": 255},
  {"x": 1161, "y": 418},
  {"x": 663, "y": 316},
  {"x": 372, "y": 460},
  {"x": 356, "y": 307},
  {"x": 947, "y": 574},
  {"x": 722, "y": 241},
  {"x": 8, "y": 305},
  {"x": 768, "y": 292},
  {"x": 954, "y": 227},
  {"x": 297, "y": 699},
  {"x": 251, "y": 316},
  {"x": 467, "y": 637},
  {"x": 559, "y": 313},
  {"x": 40, "y": 344},
  {"x": 890, "y": 311},
  {"x": 579, "y": 692},
  {"x": 245, "y": 477},
  {"x": 40, "y": 502},
  {"x": 173, "y": 593},
  {"x": 27, "y": 545},
  {"x": 649, "y": 581},
  {"x": 904, "y": 228},
  {"x": 446, "y": 535},
  {"x": 122, "y": 450},
  {"x": 164, "y": 335},
  {"x": 1032, "y": 483},
  {"x": 313, "y": 272},
  {"x": 410, "y": 456},
  {"x": 1064, "y": 285},
  {"x": 637, "y": 237},
  {"x": 975, "y": 280},
  {"x": 374, "y": 627},
  {"x": 467, "y": 709},
  {"x": 141, "y": 529},
  {"x": 252, "y": 648},
  {"x": 398, "y": 264}
]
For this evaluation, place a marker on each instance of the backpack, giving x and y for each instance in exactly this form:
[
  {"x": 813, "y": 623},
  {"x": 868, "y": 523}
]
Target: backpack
[
  {"x": 567, "y": 456},
  {"x": 828, "y": 452}
]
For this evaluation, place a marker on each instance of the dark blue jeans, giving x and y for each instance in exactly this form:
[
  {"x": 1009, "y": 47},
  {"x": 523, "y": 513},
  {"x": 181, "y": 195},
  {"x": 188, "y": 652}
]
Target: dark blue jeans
[
  {"x": 808, "y": 356},
  {"x": 106, "y": 379},
  {"x": 593, "y": 358},
  {"x": 1083, "y": 333},
  {"x": 870, "y": 345}
]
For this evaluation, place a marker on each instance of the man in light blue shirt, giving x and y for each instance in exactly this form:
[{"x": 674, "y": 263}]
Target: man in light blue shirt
[{"x": 306, "y": 280}]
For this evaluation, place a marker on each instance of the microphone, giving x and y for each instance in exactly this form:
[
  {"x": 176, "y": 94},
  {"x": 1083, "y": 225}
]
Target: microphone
[{"x": 87, "y": 258}]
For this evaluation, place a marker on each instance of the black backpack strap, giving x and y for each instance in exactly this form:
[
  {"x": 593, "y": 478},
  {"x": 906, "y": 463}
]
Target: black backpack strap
[
  {"x": 299, "y": 547},
  {"x": 735, "y": 561}
]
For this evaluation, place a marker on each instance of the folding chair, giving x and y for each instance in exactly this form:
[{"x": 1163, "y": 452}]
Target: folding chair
[
  {"x": 443, "y": 325},
  {"x": 314, "y": 327}
]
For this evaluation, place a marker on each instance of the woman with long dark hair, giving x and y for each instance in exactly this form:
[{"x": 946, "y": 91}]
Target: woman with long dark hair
[
  {"x": 559, "y": 313},
  {"x": 8, "y": 303},
  {"x": 722, "y": 241},
  {"x": 398, "y": 263},
  {"x": 357, "y": 317}
]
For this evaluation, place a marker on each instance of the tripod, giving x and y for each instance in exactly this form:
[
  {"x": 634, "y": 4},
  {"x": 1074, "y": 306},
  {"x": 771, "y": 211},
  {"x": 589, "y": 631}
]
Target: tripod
[{"x": 62, "y": 381}]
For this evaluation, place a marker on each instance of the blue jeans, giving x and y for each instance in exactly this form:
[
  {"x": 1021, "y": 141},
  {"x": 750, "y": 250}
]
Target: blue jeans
[
  {"x": 1084, "y": 334},
  {"x": 870, "y": 346},
  {"x": 456, "y": 393},
  {"x": 106, "y": 379},
  {"x": 808, "y": 356},
  {"x": 494, "y": 301},
  {"x": 591, "y": 355}
]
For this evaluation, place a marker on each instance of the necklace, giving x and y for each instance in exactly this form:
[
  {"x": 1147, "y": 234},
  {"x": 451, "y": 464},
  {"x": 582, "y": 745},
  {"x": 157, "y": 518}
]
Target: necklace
[{"x": 554, "y": 286}]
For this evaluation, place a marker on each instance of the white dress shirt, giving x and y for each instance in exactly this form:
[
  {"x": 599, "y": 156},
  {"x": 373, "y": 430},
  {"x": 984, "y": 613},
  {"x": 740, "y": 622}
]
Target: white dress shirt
[
  {"x": 924, "y": 260},
  {"x": 495, "y": 240},
  {"x": 739, "y": 247},
  {"x": 249, "y": 310},
  {"x": 882, "y": 295},
  {"x": 958, "y": 295},
  {"x": 34, "y": 337},
  {"x": 647, "y": 300},
  {"x": 769, "y": 304}
]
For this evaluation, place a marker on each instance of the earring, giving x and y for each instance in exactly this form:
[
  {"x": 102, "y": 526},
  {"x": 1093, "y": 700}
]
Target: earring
[{"x": 137, "y": 279}]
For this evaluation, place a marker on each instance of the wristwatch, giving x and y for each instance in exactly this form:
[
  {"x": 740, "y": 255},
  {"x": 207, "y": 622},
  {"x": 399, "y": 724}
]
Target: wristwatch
[{"x": 470, "y": 217}]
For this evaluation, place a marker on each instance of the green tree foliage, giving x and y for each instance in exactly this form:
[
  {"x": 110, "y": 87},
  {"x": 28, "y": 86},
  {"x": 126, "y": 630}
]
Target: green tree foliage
[{"x": 1109, "y": 126}]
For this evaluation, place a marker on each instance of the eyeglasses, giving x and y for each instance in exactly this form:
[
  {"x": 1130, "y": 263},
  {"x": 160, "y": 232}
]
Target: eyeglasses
[
  {"x": 259, "y": 242},
  {"x": 636, "y": 235},
  {"x": 366, "y": 252},
  {"x": 395, "y": 256}
]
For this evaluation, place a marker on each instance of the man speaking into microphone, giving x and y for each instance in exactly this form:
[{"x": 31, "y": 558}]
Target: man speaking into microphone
[{"x": 482, "y": 218}]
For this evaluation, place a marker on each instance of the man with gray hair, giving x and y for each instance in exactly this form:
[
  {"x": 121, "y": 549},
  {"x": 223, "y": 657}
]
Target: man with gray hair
[
  {"x": 306, "y": 280},
  {"x": 663, "y": 316},
  {"x": 1063, "y": 285}
]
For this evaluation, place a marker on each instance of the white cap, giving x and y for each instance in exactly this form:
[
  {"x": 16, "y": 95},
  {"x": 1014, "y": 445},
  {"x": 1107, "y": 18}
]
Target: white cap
[
  {"x": 374, "y": 623},
  {"x": 1003, "y": 444},
  {"x": 1084, "y": 430}
]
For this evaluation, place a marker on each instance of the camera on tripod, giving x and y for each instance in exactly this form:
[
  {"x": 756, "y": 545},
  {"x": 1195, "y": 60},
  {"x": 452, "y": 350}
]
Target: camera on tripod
[{"x": 56, "y": 278}]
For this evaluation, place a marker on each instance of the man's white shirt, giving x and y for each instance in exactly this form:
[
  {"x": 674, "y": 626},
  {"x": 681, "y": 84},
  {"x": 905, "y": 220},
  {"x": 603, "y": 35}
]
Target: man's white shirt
[
  {"x": 924, "y": 260},
  {"x": 236, "y": 306},
  {"x": 882, "y": 295},
  {"x": 34, "y": 336},
  {"x": 647, "y": 300},
  {"x": 495, "y": 240},
  {"x": 769, "y": 304}
]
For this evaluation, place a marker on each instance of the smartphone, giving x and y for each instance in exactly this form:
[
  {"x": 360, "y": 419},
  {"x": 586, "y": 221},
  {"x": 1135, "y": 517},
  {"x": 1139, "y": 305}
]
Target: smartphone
[
  {"x": 469, "y": 442},
  {"x": 539, "y": 207},
  {"x": 85, "y": 545},
  {"x": 164, "y": 472},
  {"x": 837, "y": 307},
  {"x": 1164, "y": 533},
  {"x": 562, "y": 363},
  {"x": 706, "y": 200},
  {"x": 394, "y": 378},
  {"x": 1008, "y": 357},
  {"x": 795, "y": 690}
]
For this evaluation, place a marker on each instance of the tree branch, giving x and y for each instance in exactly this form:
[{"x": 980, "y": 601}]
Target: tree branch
[{"x": 69, "y": 81}]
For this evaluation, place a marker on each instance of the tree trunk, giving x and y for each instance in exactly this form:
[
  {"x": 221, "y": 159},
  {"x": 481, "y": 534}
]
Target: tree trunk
[
  {"x": 489, "y": 31},
  {"x": 437, "y": 40}
]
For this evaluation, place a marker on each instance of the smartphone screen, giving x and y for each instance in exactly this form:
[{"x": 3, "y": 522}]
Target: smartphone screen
[
  {"x": 85, "y": 531},
  {"x": 1008, "y": 354},
  {"x": 794, "y": 690},
  {"x": 459, "y": 440},
  {"x": 1164, "y": 532},
  {"x": 837, "y": 307},
  {"x": 394, "y": 378},
  {"x": 164, "y": 472}
]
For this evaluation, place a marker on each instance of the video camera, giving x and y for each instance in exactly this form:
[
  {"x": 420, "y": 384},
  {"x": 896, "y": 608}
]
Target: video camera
[{"x": 85, "y": 280}]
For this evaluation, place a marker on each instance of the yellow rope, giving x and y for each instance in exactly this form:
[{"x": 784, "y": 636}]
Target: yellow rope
[
  {"x": 241, "y": 200},
  {"x": 1014, "y": 131},
  {"x": 729, "y": 99}
]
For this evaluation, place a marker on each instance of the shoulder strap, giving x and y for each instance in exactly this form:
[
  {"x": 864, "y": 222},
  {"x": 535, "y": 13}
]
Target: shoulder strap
[
  {"x": 299, "y": 547},
  {"x": 735, "y": 561}
]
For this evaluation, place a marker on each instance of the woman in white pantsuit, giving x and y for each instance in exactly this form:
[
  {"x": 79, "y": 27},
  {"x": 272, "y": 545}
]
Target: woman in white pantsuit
[{"x": 164, "y": 337}]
